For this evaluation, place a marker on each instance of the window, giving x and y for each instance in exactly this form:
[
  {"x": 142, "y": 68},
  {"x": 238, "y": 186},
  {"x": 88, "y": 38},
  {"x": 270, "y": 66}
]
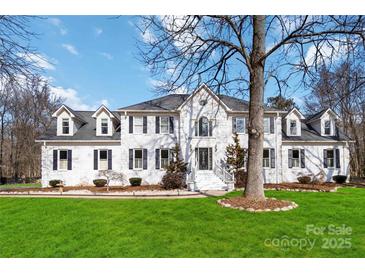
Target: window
[
  {"x": 65, "y": 126},
  {"x": 330, "y": 158},
  {"x": 164, "y": 124},
  {"x": 138, "y": 124},
  {"x": 266, "y": 158},
  {"x": 104, "y": 126},
  {"x": 138, "y": 158},
  {"x": 327, "y": 127},
  {"x": 103, "y": 159},
  {"x": 203, "y": 126},
  {"x": 240, "y": 125},
  {"x": 164, "y": 158},
  {"x": 293, "y": 127},
  {"x": 296, "y": 158},
  {"x": 266, "y": 125},
  {"x": 63, "y": 159}
]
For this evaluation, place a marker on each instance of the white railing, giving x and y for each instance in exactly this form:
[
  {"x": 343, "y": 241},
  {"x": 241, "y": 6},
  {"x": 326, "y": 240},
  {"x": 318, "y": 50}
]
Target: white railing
[{"x": 222, "y": 173}]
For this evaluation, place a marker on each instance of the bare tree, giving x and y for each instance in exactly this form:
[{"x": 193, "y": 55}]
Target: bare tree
[
  {"x": 229, "y": 54},
  {"x": 111, "y": 175}
]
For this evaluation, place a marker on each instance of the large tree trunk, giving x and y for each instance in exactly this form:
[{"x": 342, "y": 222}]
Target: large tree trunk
[{"x": 254, "y": 188}]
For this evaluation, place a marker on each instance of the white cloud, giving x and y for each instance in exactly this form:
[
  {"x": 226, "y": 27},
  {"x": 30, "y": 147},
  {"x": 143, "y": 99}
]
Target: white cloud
[
  {"x": 98, "y": 31},
  {"x": 325, "y": 52},
  {"x": 40, "y": 61},
  {"x": 107, "y": 55},
  {"x": 70, "y": 48},
  {"x": 58, "y": 23},
  {"x": 148, "y": 36}
]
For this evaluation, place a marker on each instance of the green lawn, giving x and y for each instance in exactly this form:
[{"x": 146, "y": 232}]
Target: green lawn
[
  {"x": 21, "y": 185},
  {"x": 46, "y": 227}
]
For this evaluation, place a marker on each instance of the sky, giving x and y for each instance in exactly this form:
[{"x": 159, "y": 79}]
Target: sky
[{"x": 92, "y": 60}]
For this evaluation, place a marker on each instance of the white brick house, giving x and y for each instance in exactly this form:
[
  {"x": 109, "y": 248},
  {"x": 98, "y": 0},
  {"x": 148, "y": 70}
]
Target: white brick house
[{"x": 135, "y": 141}]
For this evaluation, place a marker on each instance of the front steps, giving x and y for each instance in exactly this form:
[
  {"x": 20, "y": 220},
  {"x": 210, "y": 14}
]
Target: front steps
[{"x": 207, "y": 180}]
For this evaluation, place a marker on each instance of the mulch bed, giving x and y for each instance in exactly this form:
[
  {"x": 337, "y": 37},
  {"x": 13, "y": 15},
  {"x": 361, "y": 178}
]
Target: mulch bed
[
  {"x": 322, "y": 187},
  {"x": 269, "y": 204},
  {"x": 89, "y": 188}
]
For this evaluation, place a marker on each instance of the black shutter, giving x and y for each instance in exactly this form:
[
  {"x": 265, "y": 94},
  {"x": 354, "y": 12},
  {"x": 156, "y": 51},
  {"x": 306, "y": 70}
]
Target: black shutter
[
  {"x": 55, "y": 164},
  {"x": 131, "y": 159},
  {"x": 144, "y": 124},
  {"x": 144, "y": 158},
  {"x": 210, "y": 128},
  {"x": 157, "y": 158},
  {"x": 337, "y": 158},
  {"x": 272, "y": 125},
  {"x": 110, "y": 159},
  {"x": 171, "y": 124},
  {"x": 290, "y": 158},
  {"x": 325, "y": 158},
  {"x": 196, "y": 128},
  {"x": 95, "y": 159},
  {"x": 157, "y": 124},
  {"x": 302, "y": 158},
  {"x": 69, "y": 159},
  {"x": 245, "y": 126},
  {"x": 197, "y": 157},
  {"x": 234, "y": 124},
  {"x": 272, "y": 157},
  {"x": 130, "y": 124}
]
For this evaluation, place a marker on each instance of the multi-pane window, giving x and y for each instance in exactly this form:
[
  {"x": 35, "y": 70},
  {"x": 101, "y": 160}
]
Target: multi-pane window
[
  {"x": 240, "y": 125},
  {"x": 63, "y": 159},
  {"x": 293, "y": 127},
  {"x": 267, "y": 125},
  {"x": 103, "y": 159},
  {"x": 327, "y": 127},
  {"x": 296, "y": 158},
  {"x": 266, "y": 158},
  {"x": 104, "y": 126},
  {"x": 203, "y": 126},
  {"x": 164, "y": 158},
  {"x": 164, "y": 124},
  {"x": 330, "y": 158},
  {"x": 138, "y": 159},
  {"x": 65, "y": 126},
  {"x": 138, "y": 124}
]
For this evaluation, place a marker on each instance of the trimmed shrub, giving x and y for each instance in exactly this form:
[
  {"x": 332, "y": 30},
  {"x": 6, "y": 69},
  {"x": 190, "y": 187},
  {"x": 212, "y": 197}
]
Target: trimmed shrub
[
  {"x": 99, "y": 182},
  {"x": 55, "y": 183},
  {"x": 135, "y": 181},
  {"x": 174, "y": 180},
  {"x": 304, "y": 179},
  {"x": 339, "y": 179},
  {"x": 240, "y": 179}
]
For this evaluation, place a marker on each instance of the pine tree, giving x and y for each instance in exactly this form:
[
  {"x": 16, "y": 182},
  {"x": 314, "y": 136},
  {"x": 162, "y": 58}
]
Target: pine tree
[{"x": 176, "y": 164}]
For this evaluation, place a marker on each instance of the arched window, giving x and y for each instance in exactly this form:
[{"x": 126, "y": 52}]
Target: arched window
[{"x": 204, "y": 126}]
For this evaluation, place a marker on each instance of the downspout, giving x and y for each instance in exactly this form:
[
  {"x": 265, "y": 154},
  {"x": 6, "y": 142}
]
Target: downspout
[{"x": 277, "y": 149}]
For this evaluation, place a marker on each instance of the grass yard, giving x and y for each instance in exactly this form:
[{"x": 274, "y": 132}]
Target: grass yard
[
  {"x": 46, "y": 227},
  {"x": 21, "y": 185}
]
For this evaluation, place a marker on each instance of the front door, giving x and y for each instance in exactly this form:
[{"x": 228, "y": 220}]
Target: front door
[{"x": 205, "y": 158}]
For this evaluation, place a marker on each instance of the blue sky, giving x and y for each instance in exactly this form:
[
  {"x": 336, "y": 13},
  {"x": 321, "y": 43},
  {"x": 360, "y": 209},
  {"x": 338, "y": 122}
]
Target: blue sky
[{"x": 93, "y": 60}]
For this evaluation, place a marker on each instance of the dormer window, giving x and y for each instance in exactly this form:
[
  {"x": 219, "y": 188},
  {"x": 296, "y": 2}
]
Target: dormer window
[
  {"x": 293, "y": 127},
  {"x": 65, "y": 126},
  {"x": 327, "y": 127},
  {"x": 104, "y": 126}
]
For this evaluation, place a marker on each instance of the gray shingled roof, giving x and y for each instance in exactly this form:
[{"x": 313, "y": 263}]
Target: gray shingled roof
[
  {"x": 87, "y": 131},
  {"x": 173, "y": 101},
  {"x": 309, "y": 134},
  {"x": 315, "y": 116}
]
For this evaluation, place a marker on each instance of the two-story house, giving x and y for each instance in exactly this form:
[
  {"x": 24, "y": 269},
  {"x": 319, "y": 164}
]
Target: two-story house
[{"x": 136, "y": 141}]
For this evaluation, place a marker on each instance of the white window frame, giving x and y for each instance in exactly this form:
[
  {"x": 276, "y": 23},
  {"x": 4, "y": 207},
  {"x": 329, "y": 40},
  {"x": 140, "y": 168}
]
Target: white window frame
[
  {"x": 242, "y": 120},
  {"x": 105, "y": 162},
  {"x": 134, "y": 159},
  {"x": 333, "y": 158},
  {"x": 266, "y": 125},
  {"x": 59, "y": 159},
  {"x": 68, "y": 126},
  {"x": 266, "y": 160},
  {"x": 295, "y": 128},
  {"x": 168, "y": 157},
  {"x": 330, "y": 127},
  {"x": 138, "y": 124},
  {"x": 168, "y": 125},
  {"x": 106, "y": 120},
  {"x": 297, "y": 160}
]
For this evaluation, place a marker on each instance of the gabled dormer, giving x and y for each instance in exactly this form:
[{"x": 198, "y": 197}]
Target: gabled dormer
[
  {"x": 106, "y": 122},
  {"x": 324, "y": 122},
  {"x": 292, "y": 122},
  {"x": 67, "y": 121}
]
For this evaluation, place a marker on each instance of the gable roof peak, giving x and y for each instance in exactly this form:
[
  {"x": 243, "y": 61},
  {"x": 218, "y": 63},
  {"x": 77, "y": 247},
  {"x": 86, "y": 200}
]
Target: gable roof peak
[
  {"x": 103, "y": 107},
  {"x": 295, "y": 109}
]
